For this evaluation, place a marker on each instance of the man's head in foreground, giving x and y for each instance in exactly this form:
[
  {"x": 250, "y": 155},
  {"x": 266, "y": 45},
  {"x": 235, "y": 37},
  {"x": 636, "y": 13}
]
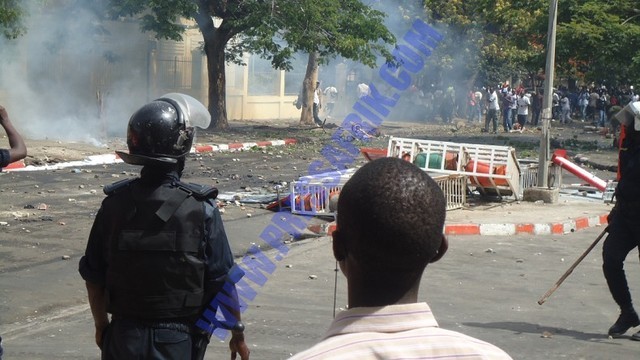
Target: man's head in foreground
[{"x": 390, "y": 226}]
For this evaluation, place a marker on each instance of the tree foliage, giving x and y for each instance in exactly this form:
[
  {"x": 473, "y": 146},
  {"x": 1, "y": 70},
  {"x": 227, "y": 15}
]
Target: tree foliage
[
  {"x": 11, "y": 16},
  {"x": 596, "y": 41},
  {"x": 329, "y": 27},
  {"x": 276, "y": 30}
]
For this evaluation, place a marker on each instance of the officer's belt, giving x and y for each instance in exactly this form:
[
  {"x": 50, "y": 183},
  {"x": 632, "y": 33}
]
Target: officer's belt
[{"x": 177, "y": 326}]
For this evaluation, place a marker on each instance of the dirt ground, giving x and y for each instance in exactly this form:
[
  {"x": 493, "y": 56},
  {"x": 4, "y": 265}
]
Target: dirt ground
[
  {"x": 46, "y": 216},
  {"x": 583, "y": 141}
]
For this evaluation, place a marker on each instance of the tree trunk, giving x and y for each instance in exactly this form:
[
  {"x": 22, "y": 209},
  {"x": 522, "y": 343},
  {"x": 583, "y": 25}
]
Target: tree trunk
[
  {"x": 214, "y": 47},
  {"x": 308, "y": 85}
]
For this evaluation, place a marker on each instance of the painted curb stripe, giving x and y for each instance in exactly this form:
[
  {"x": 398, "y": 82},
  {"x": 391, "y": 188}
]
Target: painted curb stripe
[
  {"x": 114, "y": 158},
  {"x": 15, "y": 165},
  {"x": 501, "y": 229},
  {"x": 462, "y": 229}
]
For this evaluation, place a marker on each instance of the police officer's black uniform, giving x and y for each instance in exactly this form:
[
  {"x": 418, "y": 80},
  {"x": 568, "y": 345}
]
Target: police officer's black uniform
[
  {"x": 624, "y": 231},
  {"x": 157, "y": 246}
]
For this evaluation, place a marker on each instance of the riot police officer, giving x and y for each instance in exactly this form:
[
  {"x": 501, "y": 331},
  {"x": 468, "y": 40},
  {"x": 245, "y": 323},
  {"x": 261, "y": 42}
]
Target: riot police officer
[
  {"x": 624, "y": 227},
  {"x": 157, "y": 251}
]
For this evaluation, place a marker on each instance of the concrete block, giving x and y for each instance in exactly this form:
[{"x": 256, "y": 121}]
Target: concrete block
[{"x": 548, "y": 196}]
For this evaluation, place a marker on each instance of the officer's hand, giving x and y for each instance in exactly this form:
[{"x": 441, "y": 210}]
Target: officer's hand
[
  {"x": 3, "y": 114},
  {"x": 612, "y": 215},
  {"x": 100, "y": 330},
  {"x": 238, "y": 346}
]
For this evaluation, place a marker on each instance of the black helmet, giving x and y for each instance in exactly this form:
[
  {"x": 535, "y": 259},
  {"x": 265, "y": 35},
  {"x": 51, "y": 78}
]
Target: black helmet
[{"x": 158, "y": 134}]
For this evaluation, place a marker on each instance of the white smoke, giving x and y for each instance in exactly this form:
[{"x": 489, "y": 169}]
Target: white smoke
[{"x": 58, "y": 80}]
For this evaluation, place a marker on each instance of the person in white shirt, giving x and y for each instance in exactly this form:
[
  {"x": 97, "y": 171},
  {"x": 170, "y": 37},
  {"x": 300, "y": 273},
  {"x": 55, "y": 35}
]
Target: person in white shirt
[
  {"x": 363, "y": 90},
  {"x": 478, "y": 107},
  {"x": 330, "y": 94},
  {"x": 523, "y": 109},
  {"x": 492, "y": 110},
  {"x": 317, "y": 104}
]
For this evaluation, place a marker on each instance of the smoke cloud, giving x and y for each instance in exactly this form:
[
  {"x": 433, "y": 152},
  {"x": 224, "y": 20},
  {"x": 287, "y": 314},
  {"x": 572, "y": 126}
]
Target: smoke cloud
[{"x": 65, "y": 78}]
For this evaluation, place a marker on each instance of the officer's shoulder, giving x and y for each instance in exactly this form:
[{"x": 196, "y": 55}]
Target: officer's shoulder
[
  {"x": 118, "y": 186},
  {"x": 199, "y": 191}
]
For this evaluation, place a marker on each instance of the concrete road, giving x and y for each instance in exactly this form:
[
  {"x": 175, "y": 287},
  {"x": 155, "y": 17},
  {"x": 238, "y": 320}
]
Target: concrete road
[{"x": 485, "y": 287}]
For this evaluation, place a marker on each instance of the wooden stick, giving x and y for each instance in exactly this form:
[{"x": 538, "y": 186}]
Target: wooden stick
[{"x": 573, "y": 266}]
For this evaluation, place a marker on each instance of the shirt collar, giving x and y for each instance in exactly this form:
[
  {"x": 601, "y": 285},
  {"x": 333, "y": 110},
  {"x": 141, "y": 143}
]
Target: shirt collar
[{"x": 384, "y": 319}]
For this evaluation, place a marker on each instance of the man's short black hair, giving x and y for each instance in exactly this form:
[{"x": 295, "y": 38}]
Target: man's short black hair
[{"x": 391, "y": 216}]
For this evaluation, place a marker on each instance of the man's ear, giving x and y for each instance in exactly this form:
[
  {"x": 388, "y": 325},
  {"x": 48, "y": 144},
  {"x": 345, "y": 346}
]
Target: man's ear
[
  {"x": 339, "y": 248},
  {"x": 444, "y": 246}
]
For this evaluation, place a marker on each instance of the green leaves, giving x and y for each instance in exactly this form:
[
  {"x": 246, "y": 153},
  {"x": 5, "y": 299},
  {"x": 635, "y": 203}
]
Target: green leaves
[
  {"x": 504, "y": 38},
  {"x": 11, "y": 15},
  {"x": 328, "y": 27}
]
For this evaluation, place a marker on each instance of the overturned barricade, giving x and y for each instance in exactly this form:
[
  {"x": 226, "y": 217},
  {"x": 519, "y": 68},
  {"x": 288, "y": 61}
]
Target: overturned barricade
[
  {"x": 458, "y": 168},
  {"x": 318, "y": 194},
  {"x": 490, "y": 169}
]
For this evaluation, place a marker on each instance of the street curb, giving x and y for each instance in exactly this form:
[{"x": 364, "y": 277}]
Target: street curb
[
  {"x": 112, "y": 158},
  {"x": 241, "y": 146},
  {"x": 553, "y": 228},
  {"x": 15, "y": 165}
]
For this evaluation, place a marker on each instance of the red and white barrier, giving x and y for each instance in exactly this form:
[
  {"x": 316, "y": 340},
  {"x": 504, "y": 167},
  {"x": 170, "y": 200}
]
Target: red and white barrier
[{"x": 579, "y": 172}]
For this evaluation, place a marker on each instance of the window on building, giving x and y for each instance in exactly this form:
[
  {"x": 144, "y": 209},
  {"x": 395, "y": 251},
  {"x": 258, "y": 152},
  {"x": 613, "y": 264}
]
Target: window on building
[
  {"x": 263, "y": 78},
  {"x": 293, "y": 79}
]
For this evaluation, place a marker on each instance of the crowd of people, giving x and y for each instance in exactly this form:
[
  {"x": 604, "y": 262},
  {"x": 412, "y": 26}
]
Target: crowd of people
[{"x": 516, "y": 107}]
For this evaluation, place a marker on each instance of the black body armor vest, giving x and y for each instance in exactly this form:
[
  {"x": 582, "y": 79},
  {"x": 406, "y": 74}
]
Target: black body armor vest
[{"x": 156, "y": 263}]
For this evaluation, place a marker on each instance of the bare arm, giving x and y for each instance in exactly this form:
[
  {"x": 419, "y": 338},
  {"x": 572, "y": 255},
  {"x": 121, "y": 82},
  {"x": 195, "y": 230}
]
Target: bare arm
[
  {"x": 237, "y": 344},
  {"x": 98, "y": 305},
  {"x": 18, "y": 149}
]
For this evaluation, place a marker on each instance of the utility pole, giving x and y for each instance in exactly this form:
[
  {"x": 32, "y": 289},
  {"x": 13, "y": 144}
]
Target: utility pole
[{"x": 543, "y": 160}]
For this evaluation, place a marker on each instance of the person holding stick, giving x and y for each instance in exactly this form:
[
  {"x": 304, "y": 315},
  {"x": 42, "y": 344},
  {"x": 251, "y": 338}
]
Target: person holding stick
[{"x": 624, "y": 227}]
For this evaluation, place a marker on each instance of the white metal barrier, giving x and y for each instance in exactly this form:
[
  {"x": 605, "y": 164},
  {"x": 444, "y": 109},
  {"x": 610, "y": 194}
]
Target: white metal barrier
[
  {"x": 454, "y": 188},
  {"x": 317, "y": 194},
  {"x": 529, "y": 175},
  {"x": 491, "y": 169}
]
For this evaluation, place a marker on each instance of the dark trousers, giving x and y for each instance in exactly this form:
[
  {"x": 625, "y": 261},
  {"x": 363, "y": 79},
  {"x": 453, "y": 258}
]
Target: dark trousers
[
  {"x": 536, "y": 117},
  {"x": 492, "y": 116},
  {"x": 126, "y": 339},
  {"x": 624, "y": 236},
  {"x": 316, "y": 110},
  {"x": 506, "y": 119},
  {"x": 522, "y": 119}
]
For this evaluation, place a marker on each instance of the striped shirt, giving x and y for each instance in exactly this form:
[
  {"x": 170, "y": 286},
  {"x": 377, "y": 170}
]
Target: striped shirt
[{"x": 406, "y": 331}]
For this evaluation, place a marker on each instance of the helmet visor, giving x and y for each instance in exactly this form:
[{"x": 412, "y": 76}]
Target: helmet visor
[{"x": 195, "y": 113}]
